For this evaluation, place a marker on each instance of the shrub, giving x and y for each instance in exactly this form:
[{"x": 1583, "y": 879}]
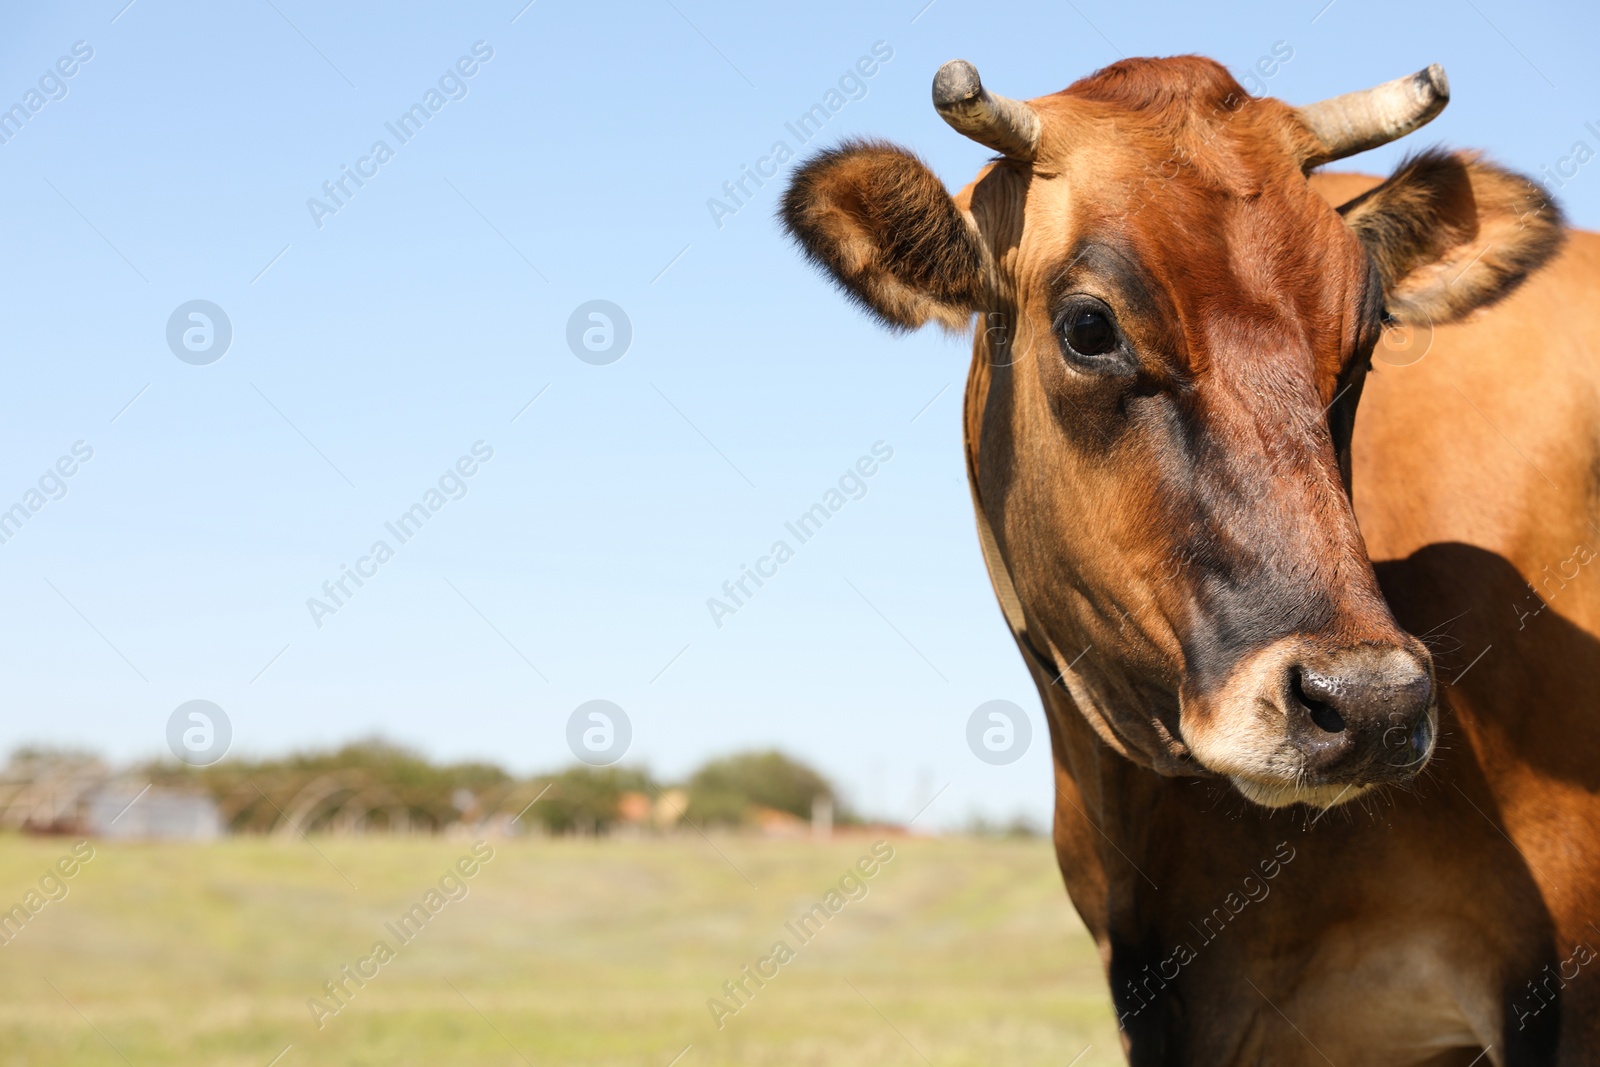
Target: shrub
[
  {"x": 724, "y": 791},
  {"x": 584, "y": 799}
]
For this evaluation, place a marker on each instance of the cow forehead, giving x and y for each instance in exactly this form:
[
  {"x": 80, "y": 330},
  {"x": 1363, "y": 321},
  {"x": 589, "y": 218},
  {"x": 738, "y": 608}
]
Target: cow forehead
[
  {"x": 1197, "y": 188},
  {"x": 1174, "y": 140},
  {"x": 1188, "y": 106},
  {"x": 1215, "y": 171}
]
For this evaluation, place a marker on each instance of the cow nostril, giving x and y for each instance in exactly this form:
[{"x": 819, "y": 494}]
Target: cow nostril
[
  {"x": 1321, "y": 710},
  {"x": 1422, "y": 736}
]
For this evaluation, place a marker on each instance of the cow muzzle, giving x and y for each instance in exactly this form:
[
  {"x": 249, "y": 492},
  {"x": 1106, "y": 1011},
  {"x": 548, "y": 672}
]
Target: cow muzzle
[{"x": 1299, "y": 723}]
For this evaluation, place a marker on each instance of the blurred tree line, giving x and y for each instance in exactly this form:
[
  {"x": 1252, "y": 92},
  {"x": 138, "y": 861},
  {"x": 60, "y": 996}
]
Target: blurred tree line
[{"x": 376, "y": 786}]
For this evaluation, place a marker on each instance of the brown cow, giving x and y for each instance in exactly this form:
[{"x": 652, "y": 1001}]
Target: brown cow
[{"x": 1243, "y": 685}]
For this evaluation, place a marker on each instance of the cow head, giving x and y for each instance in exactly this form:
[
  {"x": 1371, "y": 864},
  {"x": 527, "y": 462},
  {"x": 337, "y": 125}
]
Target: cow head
[{"x": 1173, "y": 328}]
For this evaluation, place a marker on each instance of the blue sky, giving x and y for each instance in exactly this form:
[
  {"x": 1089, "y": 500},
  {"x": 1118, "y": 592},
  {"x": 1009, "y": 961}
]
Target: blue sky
[{"x": 373, "y": 346}]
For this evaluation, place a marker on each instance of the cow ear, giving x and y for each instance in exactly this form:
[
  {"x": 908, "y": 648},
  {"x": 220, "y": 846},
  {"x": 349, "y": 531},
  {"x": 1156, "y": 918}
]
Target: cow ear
[
  {"x": 883, "y": 227},
  {"x": 1451, "y": 234}
]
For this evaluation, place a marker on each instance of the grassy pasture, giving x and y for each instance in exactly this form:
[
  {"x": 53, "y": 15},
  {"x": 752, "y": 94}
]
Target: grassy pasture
[{"x": 961, "y": 951}]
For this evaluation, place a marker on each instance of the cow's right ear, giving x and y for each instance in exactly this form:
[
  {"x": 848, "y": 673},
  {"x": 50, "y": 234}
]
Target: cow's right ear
[{"x": 882, "y": 225}]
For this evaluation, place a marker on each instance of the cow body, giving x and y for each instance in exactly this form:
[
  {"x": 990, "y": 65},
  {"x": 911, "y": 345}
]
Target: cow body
[
  {"x": 1425, "y": 924},
  {"x": 1319, "y": 687}
]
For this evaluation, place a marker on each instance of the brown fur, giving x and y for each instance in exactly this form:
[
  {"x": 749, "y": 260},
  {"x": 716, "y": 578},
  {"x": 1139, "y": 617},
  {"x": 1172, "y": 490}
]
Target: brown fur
[
  {"x": 877, "y": 220},
  {"x": 1451, "y": 234},
  {"x": 1161, "y": 538}
]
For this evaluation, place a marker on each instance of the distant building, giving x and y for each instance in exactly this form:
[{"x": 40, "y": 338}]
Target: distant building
[{"x": 119, "y": 810}]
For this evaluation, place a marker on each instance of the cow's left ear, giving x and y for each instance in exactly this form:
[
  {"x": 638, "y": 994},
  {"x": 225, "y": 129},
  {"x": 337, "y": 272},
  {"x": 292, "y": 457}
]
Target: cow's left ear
[{"x": 1451, "y": 234}]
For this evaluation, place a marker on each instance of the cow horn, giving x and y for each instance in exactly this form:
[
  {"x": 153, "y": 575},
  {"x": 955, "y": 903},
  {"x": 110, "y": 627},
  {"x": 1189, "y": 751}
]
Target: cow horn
[
  {"x": 1358, "y": 121},
  {"x": 1008, "y": 126}
]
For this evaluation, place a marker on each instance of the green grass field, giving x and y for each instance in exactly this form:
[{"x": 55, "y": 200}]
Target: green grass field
[{"x": 563, "y": 951}]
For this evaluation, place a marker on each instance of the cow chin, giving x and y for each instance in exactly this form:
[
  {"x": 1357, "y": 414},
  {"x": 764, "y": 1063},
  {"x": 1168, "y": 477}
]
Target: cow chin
[{"x": 1279, "y": 794}]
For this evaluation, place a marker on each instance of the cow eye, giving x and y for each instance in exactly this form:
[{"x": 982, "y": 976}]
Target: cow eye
[
  {"x": 1087, "y": 331},
  {"x": 1090, "y": 333}
]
